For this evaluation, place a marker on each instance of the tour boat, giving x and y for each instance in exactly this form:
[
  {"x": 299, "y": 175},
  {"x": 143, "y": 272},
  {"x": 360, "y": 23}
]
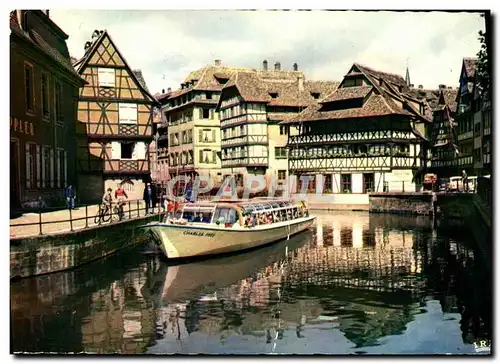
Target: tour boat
[{"x": 210, "y": 228}]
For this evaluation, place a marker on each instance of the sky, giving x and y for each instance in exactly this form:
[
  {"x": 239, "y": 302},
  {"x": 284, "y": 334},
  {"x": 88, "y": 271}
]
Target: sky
[{"x": 168, "y": 44}]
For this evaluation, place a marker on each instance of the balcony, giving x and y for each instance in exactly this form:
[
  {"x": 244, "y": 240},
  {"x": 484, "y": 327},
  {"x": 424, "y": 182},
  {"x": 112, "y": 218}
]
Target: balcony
[
  {"x": 350, "y": 136},
  {"x": 246, "y": 139},
  {"x": 382, "y": 163},
  {"x": 117, "y": 131},
  {"x": 242, "y": 119},
  {"x": 245, "y": 161},
  {"x": 466, "y": 135},
  {"x": 126, "y": 166}
]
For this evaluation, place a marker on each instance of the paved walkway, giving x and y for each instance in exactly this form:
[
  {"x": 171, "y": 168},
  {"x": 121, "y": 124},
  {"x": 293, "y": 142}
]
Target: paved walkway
[{"x": 60, "y": 227}]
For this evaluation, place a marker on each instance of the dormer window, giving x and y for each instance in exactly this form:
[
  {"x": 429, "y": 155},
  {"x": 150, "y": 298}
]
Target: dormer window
[
  {"x": 222, "y": 80},
  {"x": 273, "y": 95},
  {"x": 209, "y": 95},
  {"x": 315, "y": 95}
]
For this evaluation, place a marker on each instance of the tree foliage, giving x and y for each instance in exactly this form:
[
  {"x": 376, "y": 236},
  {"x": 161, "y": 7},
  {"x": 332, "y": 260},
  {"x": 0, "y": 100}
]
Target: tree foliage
[{"x": 483, "y": 75}]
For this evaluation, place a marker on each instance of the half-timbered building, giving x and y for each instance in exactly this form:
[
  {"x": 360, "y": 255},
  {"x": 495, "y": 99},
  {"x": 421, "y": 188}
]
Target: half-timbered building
[
  {"x": 115, "y": 116},
  {"x": 468, "y": 111},
  {"x": 43, "y": 93},
  {"x": 193, "y": 125},
  {"x": 364, "y": 136},
  {"x": 251, "y": 106},
  {"x": 441, "y": 132}
]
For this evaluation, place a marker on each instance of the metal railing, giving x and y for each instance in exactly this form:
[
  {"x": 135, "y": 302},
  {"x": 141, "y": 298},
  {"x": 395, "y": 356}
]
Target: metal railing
[{"x": 131, "y": 210}]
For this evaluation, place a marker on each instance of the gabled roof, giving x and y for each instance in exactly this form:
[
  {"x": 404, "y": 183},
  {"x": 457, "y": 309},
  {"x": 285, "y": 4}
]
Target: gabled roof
[
  {"x": 33, "y": 37},
  {"x": 279, "y": 88},
  {"x": 432, "y": 97},
  {"x": 82, "y": 63},
  {"x": 387, "y": 95},
  {"x": 470, "y": 65},
  {"x": 348, "y": 93}
]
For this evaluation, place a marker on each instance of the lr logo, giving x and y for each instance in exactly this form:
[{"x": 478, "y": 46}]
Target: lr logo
[{"x": 482, "y": 346}]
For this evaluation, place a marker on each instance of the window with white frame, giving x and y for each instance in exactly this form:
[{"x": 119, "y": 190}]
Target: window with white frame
[
  {"x": 280, "y": 152},
  {"x": 31, "y": 163},
  {"x": 208, "y": 156},
  {"x": 106, "y": 77},
  {"x": 127, "y": 113}
]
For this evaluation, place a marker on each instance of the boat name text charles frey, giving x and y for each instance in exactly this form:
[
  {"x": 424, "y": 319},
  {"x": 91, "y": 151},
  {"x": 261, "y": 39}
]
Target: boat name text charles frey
[{"x": 199, "y": 233}]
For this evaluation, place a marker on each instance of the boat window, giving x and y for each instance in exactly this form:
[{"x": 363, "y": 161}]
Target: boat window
[
  {"x": 188, "y": 215},
  {"x": 225, "y": 215}
]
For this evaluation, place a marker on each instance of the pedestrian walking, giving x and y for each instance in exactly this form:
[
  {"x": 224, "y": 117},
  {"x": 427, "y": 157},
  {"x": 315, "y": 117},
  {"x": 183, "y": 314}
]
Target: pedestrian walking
[
  {"x": 465, "y": 183},
  {"x": 149, "y": 197},
  {"x": 69, "y": 193}
]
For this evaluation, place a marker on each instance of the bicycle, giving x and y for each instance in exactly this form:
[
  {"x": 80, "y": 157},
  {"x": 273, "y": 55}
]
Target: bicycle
[
  {"x": 119, "y": 211},
  {"x": 104, "y": 214}
]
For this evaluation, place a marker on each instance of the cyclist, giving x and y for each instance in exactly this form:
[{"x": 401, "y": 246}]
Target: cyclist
[
  {"x": 107, "y": 199},
  {"x": 121, "y": 196}
]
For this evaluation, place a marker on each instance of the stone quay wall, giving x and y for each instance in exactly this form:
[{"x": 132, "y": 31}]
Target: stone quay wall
[{"x": 52, "y": 253}]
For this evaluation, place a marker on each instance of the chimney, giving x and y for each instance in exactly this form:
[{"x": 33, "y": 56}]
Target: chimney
[
  {"x": 295, "y": 67},
  {"x": 442, "y": 86},
  {"x": 450, "y": 88},
  {"x": 264, "y": 65},
  {"x": 217, "y": 63},
  {"x": 277, "y": 66},
  {"x": 169, "y": 89},
  {"x": 420, "y": 87},
  {"x": 412, "y": 85},
  {"x": 162, "y": 91},
  {"x": 301, "y": 82},
  {"x": 182, "y": 86},
  {"x": 20, "y": 19},
  {"x": 46, "y": 12}
]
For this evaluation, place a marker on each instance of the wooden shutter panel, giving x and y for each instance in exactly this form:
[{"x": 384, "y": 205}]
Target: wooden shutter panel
[
  {"x": 200, "y": 113},
  {"x": 37, "y": 162},
  {"x": 200, "y": 133},
  {"x": 140, "y": 150},
  {"x": 214, "y": 156},
  {"x": 58, "y": 168},
  {"x": 65, "y": 167},
  {"x": 213, "y": 136},
  {"x": 201, "y": 157},
  {"x": 29, "y": 177},
  {"x": 52, "y": 178},
  {"x": 115, "y": 150}
]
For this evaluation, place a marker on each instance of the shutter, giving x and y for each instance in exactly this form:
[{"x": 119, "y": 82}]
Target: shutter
[
  {"x": 116, "y": 150},
  {"x": 140, "y": 149},
  {"x": 211, "y": 114},
  {"x": 213, "y": 136},
  {"x": 200, "y": 133},
  {"x": 135, "y": 150},
  {"x": 201, "y": 157},
  {"x": 65, "y": 179},
  {"x": 214, "y": 156},
  {"x": 58, "y": 168},
  {"x": 52, "y": 178},
  {"x": 127, "y": 113},
  {"x": 29, "y": 177},
  {"x": 200, "y": 113},
  {"x": 37, "y": 162}
]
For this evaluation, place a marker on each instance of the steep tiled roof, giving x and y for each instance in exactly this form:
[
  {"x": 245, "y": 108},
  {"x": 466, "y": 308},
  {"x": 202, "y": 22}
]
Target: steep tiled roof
[
  {"x": 279, "y": 88},
  {"x": 470, "y": 65},
  {"x": 387, "y": 95},
  {"x": 140, "y": 78},
  {"x": 38, "y": 42},
  {"x": 432, "y": 97},
  {"x": 348, "y": 93}
]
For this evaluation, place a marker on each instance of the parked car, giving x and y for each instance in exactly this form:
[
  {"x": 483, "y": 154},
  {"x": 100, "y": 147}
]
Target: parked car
[
  {"x": 443, "y": 184},
  {"x": 472, "y": 182},
  {"x": 455, "y": 184}
]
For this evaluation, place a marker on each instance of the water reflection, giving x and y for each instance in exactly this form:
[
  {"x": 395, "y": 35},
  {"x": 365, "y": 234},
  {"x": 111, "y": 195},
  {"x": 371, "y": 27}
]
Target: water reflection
[{"x": 357, "y": 283}]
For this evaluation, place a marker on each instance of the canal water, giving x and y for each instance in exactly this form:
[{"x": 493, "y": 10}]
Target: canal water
[{"x": 355, "y": 284}]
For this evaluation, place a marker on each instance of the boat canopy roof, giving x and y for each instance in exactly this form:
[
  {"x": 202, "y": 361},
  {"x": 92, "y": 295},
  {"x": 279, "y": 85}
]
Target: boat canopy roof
[{"x": 252, "y": 206}]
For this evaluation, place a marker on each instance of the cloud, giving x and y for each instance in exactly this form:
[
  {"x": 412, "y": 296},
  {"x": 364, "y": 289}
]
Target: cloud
[{"x": 168, "y": 44}]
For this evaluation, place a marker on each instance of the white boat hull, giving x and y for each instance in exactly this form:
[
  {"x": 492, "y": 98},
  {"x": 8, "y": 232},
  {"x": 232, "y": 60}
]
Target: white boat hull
[{"x": 183, "y": 241}]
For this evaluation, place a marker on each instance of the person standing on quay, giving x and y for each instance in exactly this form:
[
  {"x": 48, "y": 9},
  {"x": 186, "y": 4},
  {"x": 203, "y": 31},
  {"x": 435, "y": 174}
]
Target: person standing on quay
[
  {"x": 465, "y": 184},
  {"x": 149, "y": 197},
  {"x": 69, "y": 193}
]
